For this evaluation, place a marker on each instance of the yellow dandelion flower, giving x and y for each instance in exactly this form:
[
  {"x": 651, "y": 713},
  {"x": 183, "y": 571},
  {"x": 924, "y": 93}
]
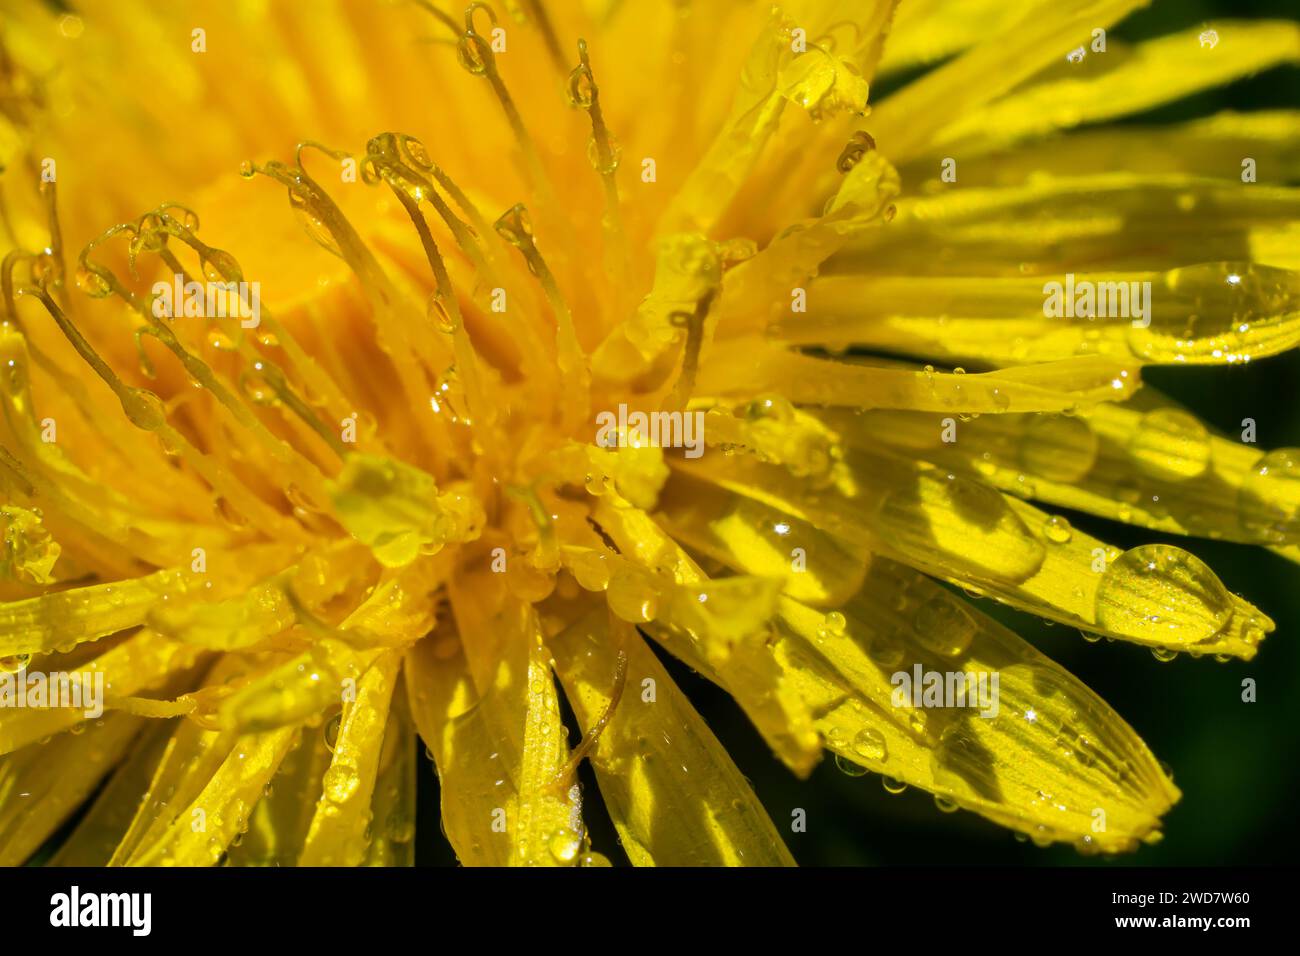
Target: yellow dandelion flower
[{"x": 573, "y": 342}]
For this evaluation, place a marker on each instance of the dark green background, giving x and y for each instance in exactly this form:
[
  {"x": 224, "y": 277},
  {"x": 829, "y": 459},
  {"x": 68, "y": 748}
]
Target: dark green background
[{"x": 1235, "y": 762}]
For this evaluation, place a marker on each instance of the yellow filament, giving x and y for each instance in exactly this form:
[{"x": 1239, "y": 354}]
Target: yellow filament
[
  {"x": 515, "y": 228},
  {"x": 229, "y": 270},
  {"x": 592, "y": 736},
  {"x": 144, "y": 410},
  {"x": 427, "y": 431},
  {"x": 585, "y": 94}
]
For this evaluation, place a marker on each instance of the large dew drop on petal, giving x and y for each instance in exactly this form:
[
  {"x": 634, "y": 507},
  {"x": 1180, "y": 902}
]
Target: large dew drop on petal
[{"x": 1157, "y": 593}]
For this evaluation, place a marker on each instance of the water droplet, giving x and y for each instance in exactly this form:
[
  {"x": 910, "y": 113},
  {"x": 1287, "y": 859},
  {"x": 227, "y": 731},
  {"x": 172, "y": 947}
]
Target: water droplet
[
  {"x": 1220, "y": 312},
  {"x": 332, "y": 731},
  {"x": 515, "y": 226},
  {"x": 255, "y": 386},
  {"x": 143, "y": 408},
  {"x": 591, "y": 570},
  {"x": 564, "y": 845},
  {"x": 314, "y": 225},
  {"x": 599, "y": 161},
  {"x": 944, "y": 804},
  {"x": 632, "y": 598},
  {"x": 438, "y": 311},
  {"x": 848, "y": 767},
  {"x": 93, "y": 284},
  {"x": 885, "y": 653},
  {"x": 580, "y": 90},
  {"x": 472, "y": 51},
  {"x": 859, "y": 144},
  {"x": 220, "y": 266},
  {"x": 414, "y": 150},
  {"x": 944, "y": 626},
  {"x": 892, "y": 785},
  {"x": 594, "y": 859},
  {"x": 1157, "y": 593},
  {"x": 1057, "y": 530},
  {"x": 870, "y": 743},
  {"x": 1058, "y": 447},
  {"x": 14, "y": 663},
  {"x": 341, "y": 782},
  {"x": 832, "y": 625},
  {"x": 1170, "y": 444},
  {"x": 1268, "y": 504}
]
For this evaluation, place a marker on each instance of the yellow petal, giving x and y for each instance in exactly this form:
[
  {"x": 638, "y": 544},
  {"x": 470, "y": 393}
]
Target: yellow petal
[
  {"x": 477, "y": 779},
  {"x": 824, "y": 76},
  {"x": 101, "y": 829},
  {"x": 393, "y": 807},
  {"x": 337, "y": 836},
  {"x": 672, "y": 791},
  {"x": 730, "y": 647},
  {"x": 1210, "y": 313},
  {"x": 750, "y": 368},
  {"x": 817, "y": 567},
  {"x": 958, "y": 528},
  {"x": 1213, "y": 146},
  {"x": 1047, "y": 757},
  {"x": 928, "y": 30},
  {"x": 191, "y": 757},
  {"x": 548, "y": 828},
  {"x": 499, "y": 752},
  {"x": 907, "y": 121},
  {"x": 142, "y": 661},
  {"x": 278, "y": 825},
  {"x": 66, "y": 618},
  {"x": 196, "y": 832},
  {"x": 1127, "y": 81},
  {"x": 41, "y": 786},
  {"x": 1047, "y": 226},
  {"x": 1146, "y": 462}
]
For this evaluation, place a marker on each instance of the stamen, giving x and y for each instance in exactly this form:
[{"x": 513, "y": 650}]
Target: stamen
[
  {"x": 417, "y": 161},
  {"x": 225, "y": 265},
  {"x": 584, "y": 94},
  {"x": 12, "y": 469},
  {"x": 150, "y": 234},
  {"x": 547, "y": 555},
  {"x": 7, "y": 266},
  {"x": 475, "y": 55},
  {"x": 384, "y": 160},
  {"x": 514, "y": 226},
  {"x": 694, "y": 323},
  {"x": 444, "y": 298},
  {"x": 592, "y": 736},
  {"x": 328, "y": 226},
  {"x": 413, "y": 151},
  {"x": 444, "y": 18},
  {"x": 54, "y": 253},
  {"x": 145, "y": 410},
  {"x": 268, "y": 370}
]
